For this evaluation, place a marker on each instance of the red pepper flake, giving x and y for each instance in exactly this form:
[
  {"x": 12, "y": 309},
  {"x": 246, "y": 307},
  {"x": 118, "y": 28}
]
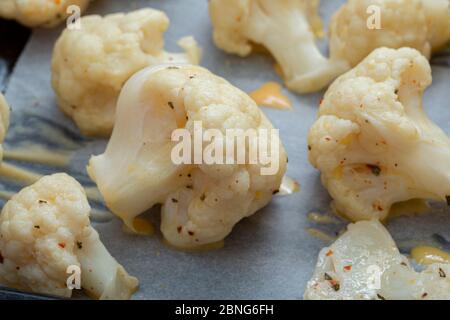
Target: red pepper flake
[
  {"x": 329, "y": 253},
  {"x": 62, "y": 245},
  {"x": 348, "y": 268},
  {"x": 320, "y": 102},
  {"x": 335, "y": 285}
]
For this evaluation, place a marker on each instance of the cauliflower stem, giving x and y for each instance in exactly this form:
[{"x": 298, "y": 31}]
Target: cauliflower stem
[{"x": 284, "y": 28}]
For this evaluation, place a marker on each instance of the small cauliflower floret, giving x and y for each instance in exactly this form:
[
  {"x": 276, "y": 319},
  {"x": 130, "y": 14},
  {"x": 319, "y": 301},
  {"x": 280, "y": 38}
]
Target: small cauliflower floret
[
  {"x": 4, "y": 121},
  {"x": 200, "y": 202},
  {"x": 39, "y": 13},
  {"x": 90, "y": 66},
  {"x": 420, "y": 24},
  {"x": 365, "y": 264},
  {"x": 437, "y": 13},
  {"x": 45, "y": 229},
  {"x": 373, "y": 142},
  {"x": 286, "y": 28}
]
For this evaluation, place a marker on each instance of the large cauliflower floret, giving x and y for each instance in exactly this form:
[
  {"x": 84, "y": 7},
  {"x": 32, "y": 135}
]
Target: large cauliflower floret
[
  {"x": 39, "y": 13},
  {"x": 45, "y": 229},
  {"x": 373, "y": 143},
  {"x": 419, "y": 24},
  {"x": 365, "y": 264},
  {"x": 90, "y": 65},
  {"x": 286, "y": 28},
  {"x": 201, "y": 202},
  {"x": 4, "y": 121}
]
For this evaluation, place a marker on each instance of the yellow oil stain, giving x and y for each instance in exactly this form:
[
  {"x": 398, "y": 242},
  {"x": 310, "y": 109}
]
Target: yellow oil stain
[
  {"x": 15, "y": 173},
  {"x": 316, "y": 233},
  {"x": 36, "y": 154},
  {"x": 98, "y": 215},
  {"x": 321, "y": 218},
  {"x": 270, "y": 95},
  {"x": 6, "y": 195},
  {"x": 27, "y": 177},
  {"x": 409, "y": 208},
  {"x": 338, "y": 172},
  {"x": 93, "y": 194},
  {"x": 426, "y": 255},
  {"x": 141, "y": 227},
  {"x": 278, "y": 70},
  {"x": 200, "y": 248},
  {"x": 288, "y": 186}
]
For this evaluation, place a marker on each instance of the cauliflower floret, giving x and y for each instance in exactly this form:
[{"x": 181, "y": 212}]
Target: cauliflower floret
[
  {"x": 39, "y": 13},
  {"x": 419, "y": 24},
  {"x": 201, "y": 202},
  {"x": 90, "y": 66},
  {"x": 4, "y": 121},
  {"x": 286, "y": 28},
  {"x": 365, "y": 264},
  {"x": 44, "y": 229},
  {"x": 373, "y": 143},
  {"x": 437, "y": 13}
]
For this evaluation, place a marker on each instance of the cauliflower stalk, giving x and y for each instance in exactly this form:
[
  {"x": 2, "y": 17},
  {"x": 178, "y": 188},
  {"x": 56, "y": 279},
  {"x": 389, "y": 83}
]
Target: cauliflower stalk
[
  {"x": 4, "y": 121},
  {"x": 90, "y": 66},
  {"x": 373, "y": 142},
  {"x": 39, "y": 13},
  {"x": 200, "y": 202},
  {"x": 286, "y": 28},
  {"x": 365, "y": 264},
  {"x": 44, "y": 229},
  {"x": 420, "y": 24}
]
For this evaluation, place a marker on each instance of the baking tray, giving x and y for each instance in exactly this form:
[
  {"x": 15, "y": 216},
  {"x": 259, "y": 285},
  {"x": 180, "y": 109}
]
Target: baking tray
[{"x": 267, "y": 256}]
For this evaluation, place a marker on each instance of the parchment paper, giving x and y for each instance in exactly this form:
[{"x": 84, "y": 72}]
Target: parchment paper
[{"x": 267, "y": 256}]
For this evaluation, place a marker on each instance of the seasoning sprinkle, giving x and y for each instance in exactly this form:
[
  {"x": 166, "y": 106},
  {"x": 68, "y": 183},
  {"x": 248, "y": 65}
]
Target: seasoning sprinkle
[
  {"x": 37, "y": 227},
  {"x": 170, "y": 103},
  {"x": 42, "y": 201},
  {"x": 179, "y": 229},
  {"x": 448, "y": 200},
  {"x": 191, "y": 233},
  {"x": 174, "y": 200},
  {"x": 80, "y": 245},
  {"x": 329, "y": 253},
  {"x": 348, "y": 268},
  {"x": 1, "y": 258},
  {"x": 335, "y": 285},
  {"x": 327, "y": 277},
  {"x": 442, "y": 273},
  {"x": 380, "y": 297},
  {"x": 376, "y": 170},
  {"x": 424, "y": 295}
]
